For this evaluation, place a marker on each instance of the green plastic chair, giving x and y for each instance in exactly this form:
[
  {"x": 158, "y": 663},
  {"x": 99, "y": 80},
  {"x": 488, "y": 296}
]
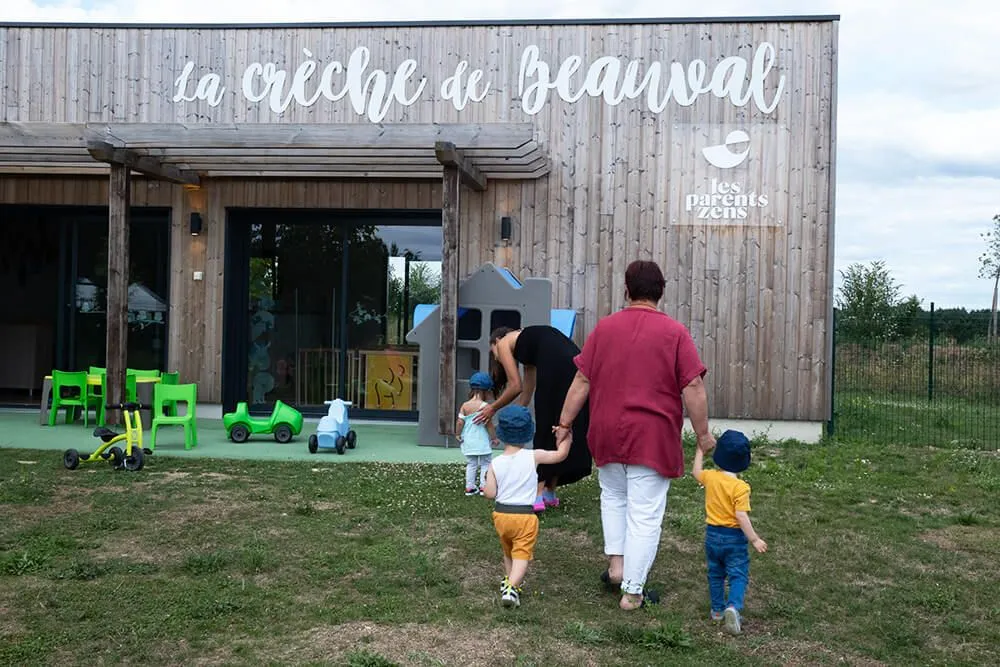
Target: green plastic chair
[
  {"x": 178, "y": 393},
  {"x": 76, "y": 382},
  {"x": 170, "y": 407},
  {"x": 143, "y": 374},
  {"x": 95, "y": 395}
]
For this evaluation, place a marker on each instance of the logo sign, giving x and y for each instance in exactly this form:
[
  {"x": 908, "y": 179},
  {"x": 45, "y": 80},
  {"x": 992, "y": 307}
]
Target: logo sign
[
  {"x": 729, "y": 183},
  {"x": 721, "y": 156}
]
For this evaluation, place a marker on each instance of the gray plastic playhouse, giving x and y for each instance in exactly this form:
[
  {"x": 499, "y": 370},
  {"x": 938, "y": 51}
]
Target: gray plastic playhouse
[{"x": 491, "y": 297}]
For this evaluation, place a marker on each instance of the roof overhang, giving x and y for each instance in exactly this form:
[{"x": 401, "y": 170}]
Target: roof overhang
[{"x": 187, "y": 153}]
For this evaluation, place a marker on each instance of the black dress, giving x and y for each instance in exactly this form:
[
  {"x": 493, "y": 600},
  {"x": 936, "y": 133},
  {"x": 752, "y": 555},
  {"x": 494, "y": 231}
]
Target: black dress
[{"x": 551, "y": 353}]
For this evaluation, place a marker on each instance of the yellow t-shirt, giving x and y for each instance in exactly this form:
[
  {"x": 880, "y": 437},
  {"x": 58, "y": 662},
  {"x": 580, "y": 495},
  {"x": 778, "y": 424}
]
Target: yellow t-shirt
[{"x": 724, "y": 496}]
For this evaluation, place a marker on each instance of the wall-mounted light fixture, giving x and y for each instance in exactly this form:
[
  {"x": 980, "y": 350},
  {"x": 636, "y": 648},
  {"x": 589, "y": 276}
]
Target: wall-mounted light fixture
[
  {"x": 195, "y": 224},
  {"x": 505, "y": 228}
]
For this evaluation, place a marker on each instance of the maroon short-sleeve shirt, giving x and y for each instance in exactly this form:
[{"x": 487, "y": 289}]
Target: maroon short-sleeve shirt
[{"x": 638, "y": 361}]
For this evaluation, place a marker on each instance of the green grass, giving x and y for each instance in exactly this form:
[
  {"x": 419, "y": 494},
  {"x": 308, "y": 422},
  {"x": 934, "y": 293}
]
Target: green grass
[
  {"x": 885, "y": 392},
  {"x": 878, "y": 554},
  {"x": 946, "y": 421}
]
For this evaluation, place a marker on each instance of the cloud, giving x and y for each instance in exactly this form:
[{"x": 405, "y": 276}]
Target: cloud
[{"x": 919, "y": 103}]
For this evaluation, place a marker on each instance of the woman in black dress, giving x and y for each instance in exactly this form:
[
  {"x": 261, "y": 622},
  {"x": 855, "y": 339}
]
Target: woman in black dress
[{"x": 547, "y": 357}]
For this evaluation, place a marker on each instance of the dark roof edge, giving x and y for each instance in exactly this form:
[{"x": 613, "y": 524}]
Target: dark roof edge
[{"x": 818, "y": 18}]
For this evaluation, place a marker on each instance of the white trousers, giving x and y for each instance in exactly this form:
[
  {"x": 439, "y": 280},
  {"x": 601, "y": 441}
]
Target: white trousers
[{"x": 633, "y": 500}]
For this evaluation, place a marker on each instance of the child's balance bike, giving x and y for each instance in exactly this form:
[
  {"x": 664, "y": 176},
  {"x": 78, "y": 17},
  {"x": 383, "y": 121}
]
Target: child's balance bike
[
  {"x": 334, "y": 430},
  {"x": 132, "y": 458}
]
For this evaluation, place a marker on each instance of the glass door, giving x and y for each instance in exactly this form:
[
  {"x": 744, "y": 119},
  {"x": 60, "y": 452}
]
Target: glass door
[
  {"x": 318, "y": 304},
  {"x": 393, "y": 267},
  {"x": 295, "y": 292}
]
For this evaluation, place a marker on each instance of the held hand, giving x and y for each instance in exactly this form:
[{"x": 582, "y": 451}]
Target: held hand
[
  {"x": 484, "y": 415},
  {"x": 562, "y": 434},
  {"x": 706, "y": 443},
  {"x": 760, "y": 545}
]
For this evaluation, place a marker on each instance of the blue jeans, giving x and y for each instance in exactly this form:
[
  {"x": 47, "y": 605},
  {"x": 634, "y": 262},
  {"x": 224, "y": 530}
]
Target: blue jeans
[{"x": 728, "y": 556}]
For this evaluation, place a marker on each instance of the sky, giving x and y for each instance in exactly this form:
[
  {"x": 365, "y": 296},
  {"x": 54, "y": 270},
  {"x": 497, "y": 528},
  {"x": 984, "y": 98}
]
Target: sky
[{"x": 918, "y": 160}]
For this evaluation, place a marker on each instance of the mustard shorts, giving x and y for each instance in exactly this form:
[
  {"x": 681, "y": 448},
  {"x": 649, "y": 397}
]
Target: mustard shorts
[{"x": 518, "y": 534}]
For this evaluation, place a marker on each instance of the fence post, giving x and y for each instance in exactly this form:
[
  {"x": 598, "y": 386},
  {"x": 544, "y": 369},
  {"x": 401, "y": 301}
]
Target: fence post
[
  {"x": 830, "y": 425},
  {"x": 930, "y": 357}
]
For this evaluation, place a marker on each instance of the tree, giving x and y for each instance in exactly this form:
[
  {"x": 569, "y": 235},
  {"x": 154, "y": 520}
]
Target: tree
[
  {"x": 870, "y": 306},
  {"x": 423, "y": 286},
  {"x": 989, "y": 267}
]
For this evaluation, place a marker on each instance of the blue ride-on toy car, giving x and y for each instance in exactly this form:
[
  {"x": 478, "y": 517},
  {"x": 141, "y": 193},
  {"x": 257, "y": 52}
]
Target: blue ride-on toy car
[{"x": 334, "y": 430}]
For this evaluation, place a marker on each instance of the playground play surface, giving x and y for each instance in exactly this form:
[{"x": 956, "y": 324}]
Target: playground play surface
[{"x": 19, "y": 429}]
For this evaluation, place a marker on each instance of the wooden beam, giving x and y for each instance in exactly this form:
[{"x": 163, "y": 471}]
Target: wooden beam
[
  {"x": 529, "y": 150},
  {"x": 119, "y": 200},
  {"x": 318, "y": 135},
  {"x": 102, "y": 151},
  {"x": 449, "y": 299},
  {"x": 35, "y": 135},
  {"x": 449, "y": 156}
]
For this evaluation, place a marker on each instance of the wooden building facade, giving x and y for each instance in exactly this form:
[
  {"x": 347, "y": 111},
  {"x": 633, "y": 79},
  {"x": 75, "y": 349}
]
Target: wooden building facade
[{"x": 705, "y": 145}]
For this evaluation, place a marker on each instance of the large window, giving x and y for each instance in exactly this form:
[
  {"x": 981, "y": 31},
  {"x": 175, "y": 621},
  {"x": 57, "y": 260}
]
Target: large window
[
  {"x": 53, "y": 277},
  {"x": 324, "y": 303}
]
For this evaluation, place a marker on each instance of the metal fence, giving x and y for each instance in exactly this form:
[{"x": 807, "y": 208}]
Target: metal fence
[{"x": 933, "y": 379}]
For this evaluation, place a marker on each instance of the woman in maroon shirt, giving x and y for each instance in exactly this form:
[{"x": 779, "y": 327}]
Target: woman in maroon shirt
[{"x": 639, "y": 369}]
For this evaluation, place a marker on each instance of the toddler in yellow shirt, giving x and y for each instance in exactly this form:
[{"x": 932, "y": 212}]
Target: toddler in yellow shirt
[{"x": 728, "y": 528}]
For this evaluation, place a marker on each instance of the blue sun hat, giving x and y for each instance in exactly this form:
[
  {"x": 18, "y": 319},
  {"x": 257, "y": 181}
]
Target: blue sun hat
[
  {"x": 480, "y": 380},
  {"x": 732, "y": 452},
  {"x": 515, "y": 425}
]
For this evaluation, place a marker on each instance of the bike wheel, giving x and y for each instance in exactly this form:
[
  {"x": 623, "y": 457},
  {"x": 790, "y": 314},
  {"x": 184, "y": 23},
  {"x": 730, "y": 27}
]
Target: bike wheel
[
  {"x": 116, "y": 457},
  {"x": 135, "y": 461},
  {"x": 71, "y": 459}
]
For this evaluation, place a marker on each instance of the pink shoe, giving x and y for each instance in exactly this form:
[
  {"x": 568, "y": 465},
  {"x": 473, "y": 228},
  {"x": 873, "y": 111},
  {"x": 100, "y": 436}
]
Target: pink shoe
[
  {"x": 550, "y": 500},
  {"x": 539, "y": 505}
]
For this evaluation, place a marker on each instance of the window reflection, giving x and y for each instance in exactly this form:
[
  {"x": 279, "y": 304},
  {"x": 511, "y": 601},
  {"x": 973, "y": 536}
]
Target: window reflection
[{"x": 310, "y": 338}]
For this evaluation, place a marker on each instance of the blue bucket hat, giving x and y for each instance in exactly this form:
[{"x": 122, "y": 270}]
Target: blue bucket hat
[
  {"x": 515, "y": 425},
  {"x": 480, "y": 380},
  {"x": 732, "y": 452}
]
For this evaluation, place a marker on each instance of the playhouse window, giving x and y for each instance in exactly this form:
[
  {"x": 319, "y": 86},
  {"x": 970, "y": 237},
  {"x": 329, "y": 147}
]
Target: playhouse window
[
  {"x": 505, "y": 318},
  {"x": 470, "y": 324},
  {"x": 467, "y": 362}
]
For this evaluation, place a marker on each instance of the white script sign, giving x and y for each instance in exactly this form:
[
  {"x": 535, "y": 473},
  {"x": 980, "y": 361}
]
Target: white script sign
[{"x": 372, "y": 93}]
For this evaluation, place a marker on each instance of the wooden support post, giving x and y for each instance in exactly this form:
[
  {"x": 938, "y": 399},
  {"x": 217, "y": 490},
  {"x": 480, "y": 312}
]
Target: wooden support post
[
  {"x": 449, "y": 299},
  {"x": 119, "y": 199}
]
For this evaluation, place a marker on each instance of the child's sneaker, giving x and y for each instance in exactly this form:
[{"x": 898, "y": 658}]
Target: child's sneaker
[
  {"x": 732, "y": 619},
  {"x": 550, "y": 500},
  {"x": 717, "y": 615},
  {"x": 539, "y": 505},
  {"x": 472, "y": 491},
  {"x": 511, "y": 597}
]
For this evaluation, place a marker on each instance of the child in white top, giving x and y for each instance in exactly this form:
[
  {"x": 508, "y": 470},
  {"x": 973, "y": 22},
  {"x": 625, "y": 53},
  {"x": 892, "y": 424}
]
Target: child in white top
[
  {"x": 476, "y": 439},
  {"x": 512, "y": 480}
]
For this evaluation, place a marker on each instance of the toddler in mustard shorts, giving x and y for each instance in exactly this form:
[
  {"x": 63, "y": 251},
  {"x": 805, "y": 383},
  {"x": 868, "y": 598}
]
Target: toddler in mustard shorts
[{"x": 512, "y": 482}]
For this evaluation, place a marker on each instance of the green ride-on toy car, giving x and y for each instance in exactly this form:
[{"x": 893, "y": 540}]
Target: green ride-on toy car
[{"x": 284, "y": 422}]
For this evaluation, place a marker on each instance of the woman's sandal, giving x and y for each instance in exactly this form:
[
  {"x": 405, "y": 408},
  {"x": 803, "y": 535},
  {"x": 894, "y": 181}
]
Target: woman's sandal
[
  {"x": 648, "y": 597},
  {"x": 647, "y": 594}
]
